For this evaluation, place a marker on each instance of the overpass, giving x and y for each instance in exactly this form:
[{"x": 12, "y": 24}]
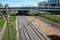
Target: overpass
[
  {"x": 54, "y": 9},
  {"x": 33, "y": 8}
]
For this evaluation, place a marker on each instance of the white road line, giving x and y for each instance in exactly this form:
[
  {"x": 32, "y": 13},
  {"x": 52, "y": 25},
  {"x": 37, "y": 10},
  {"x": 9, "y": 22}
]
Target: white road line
[{"x": 17, "y": 29}]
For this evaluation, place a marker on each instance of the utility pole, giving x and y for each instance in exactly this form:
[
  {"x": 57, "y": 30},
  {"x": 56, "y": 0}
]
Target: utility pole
[{"x": 7, "y": 18}]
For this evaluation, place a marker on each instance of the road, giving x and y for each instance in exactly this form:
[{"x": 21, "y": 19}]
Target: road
[
  {"x": 50, "y": 31},
  {"x": 29, "y": 31}
]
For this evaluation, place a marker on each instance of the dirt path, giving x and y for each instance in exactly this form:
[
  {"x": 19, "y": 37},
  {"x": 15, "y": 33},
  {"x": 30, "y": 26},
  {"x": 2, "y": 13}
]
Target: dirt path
[{"x": 49, "y": 30}]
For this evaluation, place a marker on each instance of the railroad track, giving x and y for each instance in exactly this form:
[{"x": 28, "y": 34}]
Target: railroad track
[{"x": 29, "y": 31}]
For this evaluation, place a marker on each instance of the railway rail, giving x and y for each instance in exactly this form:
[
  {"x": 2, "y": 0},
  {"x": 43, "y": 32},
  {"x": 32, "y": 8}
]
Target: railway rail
[{"x": 29, "y": 31}]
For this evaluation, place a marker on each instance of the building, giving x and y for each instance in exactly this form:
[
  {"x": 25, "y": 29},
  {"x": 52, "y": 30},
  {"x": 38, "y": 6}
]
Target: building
[
  {"x": 42, "y": 3},
  {"x": 0, "y": 5},
  {"x": 53, "y": 2},
  {"x": 0, "y": 10}
]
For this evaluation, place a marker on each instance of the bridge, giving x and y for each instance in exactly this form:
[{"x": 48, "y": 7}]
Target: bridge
[
  {"x": 33, "y": 8},
  {"x": 53, "y": 9}
]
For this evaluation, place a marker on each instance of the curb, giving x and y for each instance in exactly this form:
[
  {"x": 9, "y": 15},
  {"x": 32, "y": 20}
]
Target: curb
[{"x": 17, "y": 29}]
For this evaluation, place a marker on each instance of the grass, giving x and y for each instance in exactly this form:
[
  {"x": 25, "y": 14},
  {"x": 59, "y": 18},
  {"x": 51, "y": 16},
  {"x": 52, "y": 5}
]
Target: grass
[
  {"x": 5, "y": 35},
  {"x": 51, "y": 17},
  {"x": 34, "y": 12},
  {"x": 48, "y": 16},
  {"x": 12, "y": 20},
  {"x": 2, "y": 21},
  {"x": 13, "y": 27},
  {"x": 12, "y": 13}
]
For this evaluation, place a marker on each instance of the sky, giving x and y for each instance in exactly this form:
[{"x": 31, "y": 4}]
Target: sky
[{"x": 18, "y": 3}]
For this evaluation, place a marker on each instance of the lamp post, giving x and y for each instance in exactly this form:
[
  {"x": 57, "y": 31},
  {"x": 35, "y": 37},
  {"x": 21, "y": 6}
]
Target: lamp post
[{"x": 8, "y": 26}]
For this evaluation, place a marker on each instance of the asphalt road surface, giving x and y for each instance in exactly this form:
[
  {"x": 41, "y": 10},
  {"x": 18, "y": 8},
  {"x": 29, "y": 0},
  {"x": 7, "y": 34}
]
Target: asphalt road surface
[{"x": 29, "y": 31}]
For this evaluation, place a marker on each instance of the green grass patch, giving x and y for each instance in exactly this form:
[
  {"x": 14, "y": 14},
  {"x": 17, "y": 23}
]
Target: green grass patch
[
  {"x": 12, "y": 13},
  {"x": 5, "y": 35},
  {"x": 34, "y": 13},
  {"x": 48, "y": 16},
  {"x": 51, "y": 17},
  {"x": 2, "y": 21},
  {"x": 13, "y": 27},
  {"x": 12, "y": 20}
]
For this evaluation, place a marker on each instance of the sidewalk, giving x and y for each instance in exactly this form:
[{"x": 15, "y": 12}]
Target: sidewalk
[{"x": 2, "y": 32}]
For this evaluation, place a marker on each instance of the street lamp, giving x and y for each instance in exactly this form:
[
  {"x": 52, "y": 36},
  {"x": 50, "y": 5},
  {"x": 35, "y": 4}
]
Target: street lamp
[{"x": 7, "y": 18}]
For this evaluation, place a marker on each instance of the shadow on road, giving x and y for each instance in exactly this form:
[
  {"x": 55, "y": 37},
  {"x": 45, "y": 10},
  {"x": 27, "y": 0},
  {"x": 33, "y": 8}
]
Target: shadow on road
[
  {"x": 54, "y": 37},
  {"x": 21, "y": 14}
]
